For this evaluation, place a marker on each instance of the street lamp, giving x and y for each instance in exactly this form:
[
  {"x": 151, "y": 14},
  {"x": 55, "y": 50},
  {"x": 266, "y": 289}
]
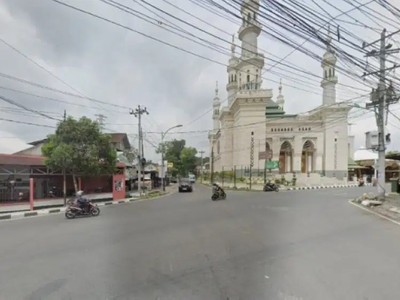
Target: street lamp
[{"x": 163, "y": 134}]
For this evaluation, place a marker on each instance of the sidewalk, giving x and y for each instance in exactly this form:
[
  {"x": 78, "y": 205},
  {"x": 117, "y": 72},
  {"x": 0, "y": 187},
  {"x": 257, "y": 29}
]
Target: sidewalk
[{"x": 134, "y": 198}]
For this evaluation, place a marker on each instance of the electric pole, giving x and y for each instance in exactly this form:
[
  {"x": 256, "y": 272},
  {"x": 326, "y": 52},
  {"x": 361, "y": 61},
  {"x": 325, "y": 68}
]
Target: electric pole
[
  {"x": 201, "y": 162},
  {"x": 100, "y": 119},
  {"x": 137, "y": 112},
  {"x": 380, "y": 101},
  {"x": 251, "y": 155},
  {"x": 142, "y": 135},
  {"x": 64, "y": 171},
  {"x": 212, "y": 165}
]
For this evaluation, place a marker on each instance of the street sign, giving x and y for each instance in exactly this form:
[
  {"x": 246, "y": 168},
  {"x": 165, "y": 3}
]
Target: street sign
[
  {"x": 273, "y": 164},
  {"x": 265, "y": 154}
]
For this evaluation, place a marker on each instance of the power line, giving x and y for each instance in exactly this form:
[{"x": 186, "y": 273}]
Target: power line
[
  {"x": 27, "y": 123},
  {"x": 123, "y": 26},
  {"x": 26, "y": 108},
  {"x": 68, "y": 5},
  {"x": 43, "y": 68},
  {"x": 306, "y": 40},
  {"x": 201, "y": 116},
  {"x": 57, "y": 90},
  {"x": 129, "y": 10},
  {"x": 57, "y": 100}
]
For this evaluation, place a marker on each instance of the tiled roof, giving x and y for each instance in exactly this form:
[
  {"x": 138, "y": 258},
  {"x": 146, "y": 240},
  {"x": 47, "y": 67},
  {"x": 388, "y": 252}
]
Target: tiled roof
[
  {"x": 22, "y": 160},
  {"x": 37, "y": 142},
  {"x": 28, "y": 160},
  {"x": 115, "y": 138}
]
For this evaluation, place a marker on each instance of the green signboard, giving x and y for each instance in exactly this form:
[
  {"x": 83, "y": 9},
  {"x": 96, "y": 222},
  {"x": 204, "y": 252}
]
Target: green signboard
[{"x": 273, "y": 164}]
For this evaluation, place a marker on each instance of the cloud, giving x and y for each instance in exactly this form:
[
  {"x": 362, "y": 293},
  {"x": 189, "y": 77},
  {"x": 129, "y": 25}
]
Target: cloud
[
  {"x": 10, "y": 143},
  {"x": 126, "y": 69}
]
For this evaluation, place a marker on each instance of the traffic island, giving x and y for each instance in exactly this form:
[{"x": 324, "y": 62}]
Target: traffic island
[
  {"x": 153, "y": 194},
  {"x": 388, "y": 209},
  {"x": 158, "y": 193}
]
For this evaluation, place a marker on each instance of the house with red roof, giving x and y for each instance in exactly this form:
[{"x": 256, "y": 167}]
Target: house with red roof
[{"x": 18, "y": 169}]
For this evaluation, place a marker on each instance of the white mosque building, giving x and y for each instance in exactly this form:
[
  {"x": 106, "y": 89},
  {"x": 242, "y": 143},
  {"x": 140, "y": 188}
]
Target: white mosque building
[{"x": 253, "y": 127}]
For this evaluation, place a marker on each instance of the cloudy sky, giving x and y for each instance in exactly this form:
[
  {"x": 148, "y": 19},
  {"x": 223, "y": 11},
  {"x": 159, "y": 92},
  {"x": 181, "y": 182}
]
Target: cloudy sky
[{"x": 59, "y": 49}]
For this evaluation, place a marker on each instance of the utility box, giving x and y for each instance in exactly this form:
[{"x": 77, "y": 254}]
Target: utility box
[{"x": 372, "y": 140}]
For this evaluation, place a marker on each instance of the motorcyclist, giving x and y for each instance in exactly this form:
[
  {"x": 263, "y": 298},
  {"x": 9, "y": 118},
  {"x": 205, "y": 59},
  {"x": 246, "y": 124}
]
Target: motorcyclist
[
  {"x": 83, "y": 203},
  {"x": 217, "y": 188},
  {"x": 270, "y": 186}
]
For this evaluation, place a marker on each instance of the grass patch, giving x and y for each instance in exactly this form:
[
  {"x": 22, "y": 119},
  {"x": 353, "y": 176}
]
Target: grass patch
[{"x": 153, "y": 194}]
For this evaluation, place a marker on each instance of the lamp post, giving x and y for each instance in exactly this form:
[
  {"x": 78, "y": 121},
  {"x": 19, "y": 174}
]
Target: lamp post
[{"x": 163, "y": 134}]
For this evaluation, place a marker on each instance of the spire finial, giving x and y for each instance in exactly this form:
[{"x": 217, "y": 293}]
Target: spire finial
[
  {"x": 280, "y": 86},
  {"x": 233, "y": 45},
  {"x": 216, "y": 88},
  {"x": 329, "y": 37}
]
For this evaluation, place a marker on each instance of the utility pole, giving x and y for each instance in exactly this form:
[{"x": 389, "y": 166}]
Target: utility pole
[
  {"x": 64, "y": 171},
  {"x": 142, "y": 144},
  {"x": 162, "y": 162},
  {"x": 137, "y": 112},
  {"x": 212, "y": 165},
  {"x": 100, "y": 119},
  {"x": 201, "y": 162},
  {"x": 251, "y": 155},
  {"x": 380, "y": 101}
]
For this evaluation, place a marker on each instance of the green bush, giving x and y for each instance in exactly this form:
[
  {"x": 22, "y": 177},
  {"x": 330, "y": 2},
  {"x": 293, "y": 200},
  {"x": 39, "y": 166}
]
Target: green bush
[{"x": 228, "y": 174}]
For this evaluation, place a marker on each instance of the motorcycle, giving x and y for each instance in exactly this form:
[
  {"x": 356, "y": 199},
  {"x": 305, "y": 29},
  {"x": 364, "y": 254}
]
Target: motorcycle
[
  {"x": 271, "y": 187},
  {"x": 74, "y": 210},
  {"x": 218, "y": 194}
]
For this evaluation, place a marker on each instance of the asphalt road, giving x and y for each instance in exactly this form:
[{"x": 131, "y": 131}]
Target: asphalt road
[{"x": 286, "y": 245}]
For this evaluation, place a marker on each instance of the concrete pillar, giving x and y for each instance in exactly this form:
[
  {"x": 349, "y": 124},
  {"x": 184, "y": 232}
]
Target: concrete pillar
[{"x": 31, "y": 192}]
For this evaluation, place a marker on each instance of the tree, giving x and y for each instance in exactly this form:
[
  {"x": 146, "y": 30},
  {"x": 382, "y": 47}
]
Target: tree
[
  {"x": 188, "y": 160},
  {"x": 172, "y": 153},
  {"x": 392, "y": 152},
  {"x": 183, "y": 158},
  {"x": 130, "y": 154},
  {"x": 205, "y": 160},
  {"x": 79, "y": 147}
]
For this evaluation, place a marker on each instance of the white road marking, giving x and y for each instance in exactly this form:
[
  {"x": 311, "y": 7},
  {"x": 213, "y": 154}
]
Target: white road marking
[{"x": 375, "y": 213}]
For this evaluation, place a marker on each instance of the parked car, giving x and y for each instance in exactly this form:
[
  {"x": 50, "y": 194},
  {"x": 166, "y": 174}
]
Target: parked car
[
  {"x": 174, "y": 179},
  {"x": 185, "y": 185}
]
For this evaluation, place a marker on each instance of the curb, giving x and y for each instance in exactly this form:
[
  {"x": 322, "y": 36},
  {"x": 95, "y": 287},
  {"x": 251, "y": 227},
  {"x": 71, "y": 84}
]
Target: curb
[
  {"x": 325, "y": 187},
  {"x": 302, "y": 188},
  {"x": 373, "y": 212},
  {"x": 50, "y": 211}
]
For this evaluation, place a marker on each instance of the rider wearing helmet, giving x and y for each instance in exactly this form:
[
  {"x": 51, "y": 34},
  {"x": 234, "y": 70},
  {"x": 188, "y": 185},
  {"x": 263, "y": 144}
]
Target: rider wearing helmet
[
  {"x": 81, "y": 201},
  {"x": 216, "y": 187}
]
